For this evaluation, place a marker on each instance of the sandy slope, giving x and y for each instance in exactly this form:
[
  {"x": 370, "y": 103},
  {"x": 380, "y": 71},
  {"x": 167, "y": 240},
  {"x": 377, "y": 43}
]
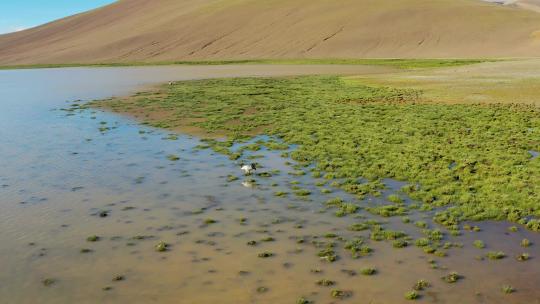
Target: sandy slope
[{"x": 162, "y": 30}]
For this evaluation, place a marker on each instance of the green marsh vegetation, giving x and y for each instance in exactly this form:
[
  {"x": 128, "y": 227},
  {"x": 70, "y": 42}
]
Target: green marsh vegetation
[
  {"x": 368, "y": 271},
  {"x": 412, "y": 295},
  {"x": 471, "y": 159},
  {"x": 508, "y": 289},
  {"x": 161, "y": 247},
  {"x": 479, "y": 244},
  {"x": 452, "y": 277},
  {"x": 93, "y": 238},
  {"x": 48, "y": 282},
  {"x": 496, "y": 255}
]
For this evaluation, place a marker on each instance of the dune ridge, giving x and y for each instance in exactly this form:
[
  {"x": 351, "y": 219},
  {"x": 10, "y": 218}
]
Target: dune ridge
[{"x": 169, "y": 30}]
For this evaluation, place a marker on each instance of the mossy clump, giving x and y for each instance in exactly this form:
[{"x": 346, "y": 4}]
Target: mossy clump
[
  {"x": 479, "y": 244},
  {"x": 400, "y": 243},
  {"x": 533, "y": 224},
  {"x": 471, "y": 228},
  {"x": 173, "y": 157},
  {"x": 118, "y": 278},
  {"x": 303, "y": 300},
  {"x": 265, "y": 254},
  {"x": 209, "y": 221},
  {"x": 340, "y": 294},
  {"x": 368, "y": 271},
  {"x": 507, "y": 289},
  {"x": 421, "y": 285},
  {"x": 161, "y": 247},
  {"x": 388, "y": 210},
  {"x": 48, "y": 282},
  {"x": 523, "y": 257},
  {"x": 452, "y": 277},
  {"x": 92, "y": 238},
  {"x": 434, "y": 235},
  {"x": 496, "y": 255},
  {"x": 359, "y": 227},
  {"x": 325, "y": 282},
  {"x": 328, "y": 254},
  {"x": 302, "y": 192},
  {"x": 381, "y": 235},
  {"x": 394, "y": 199},
  {"x": 422, "y": 242},
  {"x": 232, "y": 178},
  {"x": 357, "y": 248},
  {"x": 142, "y": 237},
  {"x": 412, "y": 295}
]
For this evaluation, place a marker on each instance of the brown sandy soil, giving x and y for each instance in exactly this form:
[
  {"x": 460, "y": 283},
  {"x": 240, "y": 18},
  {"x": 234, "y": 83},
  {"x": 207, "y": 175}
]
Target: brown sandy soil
[
  {"x": 165, "y": 30},
  {"x": 492, "y": 82}
]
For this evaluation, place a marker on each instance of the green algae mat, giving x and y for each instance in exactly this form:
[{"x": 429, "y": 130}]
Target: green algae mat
[{"x": 467, "y": 162}]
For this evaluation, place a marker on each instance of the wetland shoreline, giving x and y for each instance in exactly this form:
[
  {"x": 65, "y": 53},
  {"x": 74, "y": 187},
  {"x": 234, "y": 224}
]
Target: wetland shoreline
[
  {"x": 398, "y": 121},
  {"x": 160, "y": 216}
]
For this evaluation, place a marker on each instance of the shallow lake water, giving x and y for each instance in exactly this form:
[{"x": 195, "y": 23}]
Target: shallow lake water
[{"x": 65, "y": 176}]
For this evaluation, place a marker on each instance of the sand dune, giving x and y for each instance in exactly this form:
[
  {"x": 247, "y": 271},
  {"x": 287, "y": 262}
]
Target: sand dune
[{"x": 163, "y": 30}]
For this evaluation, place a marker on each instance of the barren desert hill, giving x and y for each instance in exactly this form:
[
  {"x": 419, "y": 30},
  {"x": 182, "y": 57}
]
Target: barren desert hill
[{"x": 169, "y": 30}]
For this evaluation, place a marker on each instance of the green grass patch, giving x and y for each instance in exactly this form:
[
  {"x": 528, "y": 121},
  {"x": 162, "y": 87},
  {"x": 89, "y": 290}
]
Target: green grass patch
[{"x": 472, "y": 158}]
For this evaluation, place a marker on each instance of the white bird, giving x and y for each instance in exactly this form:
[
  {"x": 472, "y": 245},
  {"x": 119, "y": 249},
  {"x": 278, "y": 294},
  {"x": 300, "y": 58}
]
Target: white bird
[
  {"x": 170, "y": 82},
  {"x": 248, "y": 169}
]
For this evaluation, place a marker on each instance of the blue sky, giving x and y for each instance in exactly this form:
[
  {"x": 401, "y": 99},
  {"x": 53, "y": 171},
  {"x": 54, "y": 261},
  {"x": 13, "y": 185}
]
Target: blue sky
[{"x": 20, "y": 14}]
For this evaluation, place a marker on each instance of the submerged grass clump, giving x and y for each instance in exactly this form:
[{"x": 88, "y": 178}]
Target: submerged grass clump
[
  {"x": 48, "y": 282},
  {"x": 303, "y": 300},
  {"x": 92, "y": 238},
  {"x": 368, "y": 271},
  {"x": 523, "y": 257},
  {"x": 209, "y": 221},
  {"x": 325, "y": 282},
  {"x": 161, "y": 247},
  {"x": 265, "y": 254},
  {"x": 328, "y": 254},
  {"x": 173, "y": 157},
  {"x": 508, "y": 289},
  {"x": 479, "y": 244},
  {"x": 412, "y": 295},
  {"x": 340, "y": 294},
  {"x": 452, "y": 277},
  {"x": 496, "y": 255},
  {"x": 349, "y": 131},
  {"x": 421, "y": 285},
  {"x": 357, "y": 248}
]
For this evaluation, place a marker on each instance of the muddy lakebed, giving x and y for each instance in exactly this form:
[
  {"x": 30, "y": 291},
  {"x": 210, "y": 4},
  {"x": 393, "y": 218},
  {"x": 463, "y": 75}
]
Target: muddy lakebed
[{"x": 96, "y": 208}]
